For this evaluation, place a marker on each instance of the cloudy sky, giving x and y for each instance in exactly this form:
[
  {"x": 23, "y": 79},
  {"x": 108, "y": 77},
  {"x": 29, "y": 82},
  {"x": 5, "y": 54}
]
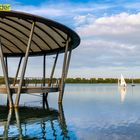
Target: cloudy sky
[{"x": 109, "y": 31}]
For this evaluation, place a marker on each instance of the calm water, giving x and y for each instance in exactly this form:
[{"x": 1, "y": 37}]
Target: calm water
[{"x": 89, "y": 112}]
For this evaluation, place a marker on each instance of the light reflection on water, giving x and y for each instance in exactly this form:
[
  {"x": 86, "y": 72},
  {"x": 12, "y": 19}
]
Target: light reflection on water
[{"x": 90, "y": 111}]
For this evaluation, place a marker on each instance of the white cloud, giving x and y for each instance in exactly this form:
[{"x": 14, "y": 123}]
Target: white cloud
[
  {"x": 111, "y": 41},
  {"x": 120, "y": 24},
  {"x": 107, "y": 41},
  {"x": 83, "y": 19}
]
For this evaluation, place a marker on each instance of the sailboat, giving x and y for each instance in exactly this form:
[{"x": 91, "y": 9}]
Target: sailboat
[
  {"x": 121, "y": 82},
  {"x": 132, "y": 83}
]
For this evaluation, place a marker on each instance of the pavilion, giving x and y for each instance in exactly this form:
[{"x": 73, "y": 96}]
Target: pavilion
[{"x": 25, "y": 35}]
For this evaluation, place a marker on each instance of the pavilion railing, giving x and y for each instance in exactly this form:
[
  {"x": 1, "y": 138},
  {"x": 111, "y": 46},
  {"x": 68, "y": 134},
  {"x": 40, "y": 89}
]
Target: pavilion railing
[{"x": 40, "y": 82}]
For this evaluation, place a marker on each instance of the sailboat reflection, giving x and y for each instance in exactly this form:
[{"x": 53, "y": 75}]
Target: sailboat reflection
[
  {"x": 35, "y": 123},
  {"x": 123, "y": 92}
]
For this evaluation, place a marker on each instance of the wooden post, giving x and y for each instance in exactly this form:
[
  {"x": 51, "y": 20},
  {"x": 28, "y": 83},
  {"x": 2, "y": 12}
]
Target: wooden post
[
  {"x": 5, "y": 76},
  {"x": 24, "y": 65},
  {"x": 63, "y": 73}
]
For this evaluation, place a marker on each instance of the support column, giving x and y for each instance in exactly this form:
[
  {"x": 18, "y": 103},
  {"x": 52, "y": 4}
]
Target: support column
[
  {"x": 6, "y": 64},
  {"x": 44, "y": 76},
  {"x": 44, "y": 69},
  {"x": 53, "y": 69},
  {"x": 68, "y": 62},
  {"x": 15, "y": 79},
  {"x": 63, "y": 73},
  {"x": 66, "y": 71},
  {"x": 5, "y": 76},
  {"x": 24, "y": 65}
]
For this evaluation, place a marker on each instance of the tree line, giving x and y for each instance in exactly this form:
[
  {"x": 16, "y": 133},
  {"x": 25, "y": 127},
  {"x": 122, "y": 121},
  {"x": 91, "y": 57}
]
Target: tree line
[
  {"x": 74, "y": 80},
  {"x": 99, "y": 80}
]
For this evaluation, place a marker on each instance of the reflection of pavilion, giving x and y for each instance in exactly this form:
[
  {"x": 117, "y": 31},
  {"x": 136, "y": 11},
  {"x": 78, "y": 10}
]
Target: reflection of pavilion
[
  {"x": 122, "y": 91},
  {"x": 36, "y": 123}
]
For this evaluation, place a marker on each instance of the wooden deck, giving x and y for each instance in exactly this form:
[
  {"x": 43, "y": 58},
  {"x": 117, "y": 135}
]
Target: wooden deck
[{"x": 29, "y": 89}]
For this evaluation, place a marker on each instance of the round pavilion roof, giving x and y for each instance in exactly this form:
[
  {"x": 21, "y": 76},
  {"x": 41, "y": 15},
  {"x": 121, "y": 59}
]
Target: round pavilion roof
[{"x": 49, "y": 36}]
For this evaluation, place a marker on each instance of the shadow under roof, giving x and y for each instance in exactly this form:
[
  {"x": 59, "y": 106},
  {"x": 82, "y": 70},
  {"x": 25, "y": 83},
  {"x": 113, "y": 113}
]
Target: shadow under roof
[{"x": 49, "y": 36}]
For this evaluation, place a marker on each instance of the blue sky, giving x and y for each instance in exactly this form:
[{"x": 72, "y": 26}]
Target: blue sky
[{"x": 109, "y": 31}]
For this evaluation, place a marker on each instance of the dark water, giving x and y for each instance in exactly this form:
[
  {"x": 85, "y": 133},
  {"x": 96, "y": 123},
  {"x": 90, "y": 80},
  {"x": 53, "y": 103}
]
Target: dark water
[{"x": 89, "y": 112}]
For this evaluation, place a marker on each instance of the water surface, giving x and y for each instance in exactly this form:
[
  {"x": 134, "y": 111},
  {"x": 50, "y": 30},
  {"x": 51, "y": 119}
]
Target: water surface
[{"x": 89, "y": 111}]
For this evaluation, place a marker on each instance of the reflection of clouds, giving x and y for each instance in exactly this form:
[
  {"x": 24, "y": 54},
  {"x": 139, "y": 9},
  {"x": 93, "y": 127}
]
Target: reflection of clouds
[
  {"x": 102, "y": 136},
  {"x": 112, "y": 129},
  {"x": 105, "y": 123}
]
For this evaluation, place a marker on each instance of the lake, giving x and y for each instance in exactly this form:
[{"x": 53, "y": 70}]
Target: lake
[{"x": 89, "y": 112}]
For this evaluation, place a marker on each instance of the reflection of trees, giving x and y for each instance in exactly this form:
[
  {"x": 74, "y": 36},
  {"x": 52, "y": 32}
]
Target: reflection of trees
[{"x": 40, "y": 117}]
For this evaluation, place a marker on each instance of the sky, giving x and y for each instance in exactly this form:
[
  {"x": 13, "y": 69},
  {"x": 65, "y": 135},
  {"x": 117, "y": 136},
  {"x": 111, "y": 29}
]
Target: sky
[{"x": 109, "y": 32}]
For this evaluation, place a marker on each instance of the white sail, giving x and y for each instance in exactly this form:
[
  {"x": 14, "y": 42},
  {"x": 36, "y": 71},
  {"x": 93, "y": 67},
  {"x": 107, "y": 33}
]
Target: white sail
[{"x": 122, "y": 81}]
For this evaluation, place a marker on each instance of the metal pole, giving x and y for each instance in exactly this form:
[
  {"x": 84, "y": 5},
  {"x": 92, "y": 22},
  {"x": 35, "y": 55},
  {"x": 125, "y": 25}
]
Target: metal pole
[
  {"x": 66, "y": 72},
  {"x": 44, "y": 69},
  {"x": 63, "y": 73},
  {"x": 5, "y": 76},
  {"x": 24, "y": 65},
  {"x": 47, "y": 105},
  {"x": 68, "y": 62},
  {"x": 44, "y": 76},
  {"x": 15, "y": 79},
  {"x": 53, "y": 69},
  {"x": 6, "y": 64}
]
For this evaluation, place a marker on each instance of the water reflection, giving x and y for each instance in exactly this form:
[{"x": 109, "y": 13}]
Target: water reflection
[
  {"x": 123, "y": 92},
  {"x": 33, "y": 123},
  {"x": 90, "y": 112}
]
